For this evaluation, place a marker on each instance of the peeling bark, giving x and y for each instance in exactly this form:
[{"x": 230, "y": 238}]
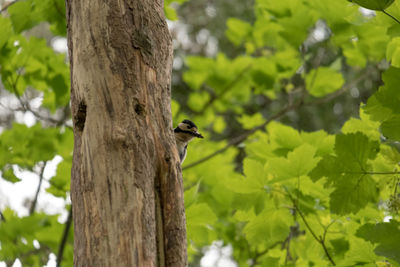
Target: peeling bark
[{"x": 126, "y": 183}]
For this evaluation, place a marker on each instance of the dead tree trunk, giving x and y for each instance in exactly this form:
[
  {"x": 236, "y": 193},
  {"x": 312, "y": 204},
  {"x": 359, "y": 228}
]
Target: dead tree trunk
[{"x": 126, "y": 186}]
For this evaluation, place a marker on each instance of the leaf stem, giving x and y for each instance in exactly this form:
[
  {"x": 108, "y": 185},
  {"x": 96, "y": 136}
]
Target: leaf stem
[
  {"x": 372, "y": 173},
  {"x": 394, "y": 18}
]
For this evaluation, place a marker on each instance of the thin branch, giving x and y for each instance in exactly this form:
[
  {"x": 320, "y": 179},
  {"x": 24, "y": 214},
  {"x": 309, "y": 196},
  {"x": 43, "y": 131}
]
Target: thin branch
[
  {"x": 370, "y": 173},
  {"x": 34, "y": 202},
  {"x": 238, "y": 139},
  {"x": 227, "y": 87},
  {"x": 64, "y": 238},
  {"x": 318, "y": 239},
  {"x": 395, "y": 19},
  {"x": 344, "y": 89},
  {"x": 7, "y": 6},
  {"x": 263, "y": 252},
  {"x": 381, "y": 173},
  {"x": 25, "y": 106}
]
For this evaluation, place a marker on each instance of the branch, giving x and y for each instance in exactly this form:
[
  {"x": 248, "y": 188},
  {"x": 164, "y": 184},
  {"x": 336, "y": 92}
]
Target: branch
[
  {"x": 380, "y": 173},
  {"x": 25, "y": 106},
  {"x": 227, "y": 87},
  {"x": 344, "y": 88},
  {"x": 7, "y": 6},
  {"x": 33, "y": 206},
  {"x": 370, "y": 173},
  {"x": 263, "y": 252},
  {"x": 64, "y": 238},
  {"x": 238, "y": 139},
  {"x": 384, "y": 12},
  {"x": 319, "y": 239}
]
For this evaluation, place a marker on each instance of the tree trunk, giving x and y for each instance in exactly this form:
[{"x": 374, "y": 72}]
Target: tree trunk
[{"x": 126, "y": 186}]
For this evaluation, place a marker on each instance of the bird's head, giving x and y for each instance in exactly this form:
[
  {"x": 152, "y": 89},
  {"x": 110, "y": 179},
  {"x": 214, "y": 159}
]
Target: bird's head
[{"x": 186, "y": 131}]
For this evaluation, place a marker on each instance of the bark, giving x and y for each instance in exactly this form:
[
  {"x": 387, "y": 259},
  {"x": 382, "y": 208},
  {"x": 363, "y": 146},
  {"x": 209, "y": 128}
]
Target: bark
[{"x": 126, "y": 183}]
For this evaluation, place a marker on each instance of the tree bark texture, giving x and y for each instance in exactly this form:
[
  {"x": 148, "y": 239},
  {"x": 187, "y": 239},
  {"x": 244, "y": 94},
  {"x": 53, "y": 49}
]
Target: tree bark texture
[{"x": 126, "y": 186}]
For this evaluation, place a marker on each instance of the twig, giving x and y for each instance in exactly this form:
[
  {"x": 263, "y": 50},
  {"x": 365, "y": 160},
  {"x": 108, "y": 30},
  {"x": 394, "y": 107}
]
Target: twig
[
  {"x": 386, "y": 13},
  {"x": 33, "y": 206},
  {"x": 25, "y": 106},
  {"x": 319, "y": 239},
  {"x": 227, "y": 87},
  {"x": 263, "y": 252},
  {"x": 7, "y": 6},
  {"x": 64, "y": 238},
  {"x": 373, "y": 173},
  {"x": 344, "y": 88},
  {"x": 238, "y": 139}
]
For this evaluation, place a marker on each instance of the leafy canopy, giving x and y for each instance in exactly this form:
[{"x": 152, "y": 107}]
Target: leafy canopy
[{"x": 285, "y": 175}]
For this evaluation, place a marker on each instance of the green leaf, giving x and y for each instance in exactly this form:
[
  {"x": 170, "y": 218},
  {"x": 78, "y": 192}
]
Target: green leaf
[
  {"x": 199, "y": 218},
  {"x": 191, "y": 194},
  {"x": 254, "y": 181},
  {"x": 361, "y": 253},
  {"x": 283, "y": 136},
  {"x": 237, "y": 31},
  {"x": 364, "y": 125},
  {"x": 393, "y": 52},
  {"x": 323, "y": 81},
  {"x": 340, "y": 245},
  {"x": 322, "y": 141},
  {"x": 200, "y": 214},
  {"x": 6, "y": 31},
  {"x": 15, "y": 229},
  {"x": 351, "y": 196},
  {"x": 251, "y": 121},
  {"x": 60, "y": 183},
  {"x": 354, "y": 55},
  {"x": 26, "y": 146},
  {"x": 170, "y": 13},
  {"x": 356, "y": 147},
  {"x": 199, "y": 70},
  {"x": 386, "y": 235},
  {"x": 269, "y": 227},
  {"x": 385, "y": 102},
  {"x": 348, "y": 172},
  {"x": 22, "y": 16},
  {"x": 52, "y": 12},
  {"x": 298, "y": 163},
  {"x": 391, "y": 128},
  {"x": 374, "y": 4},
  {"x": 8, "y": 174}
]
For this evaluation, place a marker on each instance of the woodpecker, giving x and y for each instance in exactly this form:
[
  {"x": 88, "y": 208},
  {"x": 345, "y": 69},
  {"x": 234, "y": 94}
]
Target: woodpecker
[{"x": 184, "y": 132}]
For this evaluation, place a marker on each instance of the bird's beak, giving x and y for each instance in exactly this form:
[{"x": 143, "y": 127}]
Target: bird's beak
[{"x": 198, "y": 135}]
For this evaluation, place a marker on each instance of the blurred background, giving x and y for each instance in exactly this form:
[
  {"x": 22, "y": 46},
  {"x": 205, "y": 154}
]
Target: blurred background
[{"x": 237, "y": 64}]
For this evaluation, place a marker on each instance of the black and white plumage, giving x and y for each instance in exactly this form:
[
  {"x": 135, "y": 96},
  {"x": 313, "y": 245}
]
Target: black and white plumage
[{"x": 184, "y": 133}]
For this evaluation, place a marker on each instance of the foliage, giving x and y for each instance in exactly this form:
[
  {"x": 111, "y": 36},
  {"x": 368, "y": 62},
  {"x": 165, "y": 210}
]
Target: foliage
[{"x": 282, "y": 176}]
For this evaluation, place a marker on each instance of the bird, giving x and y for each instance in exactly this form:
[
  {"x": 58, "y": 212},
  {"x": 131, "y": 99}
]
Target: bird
[{"x": 184, "y": 133}]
